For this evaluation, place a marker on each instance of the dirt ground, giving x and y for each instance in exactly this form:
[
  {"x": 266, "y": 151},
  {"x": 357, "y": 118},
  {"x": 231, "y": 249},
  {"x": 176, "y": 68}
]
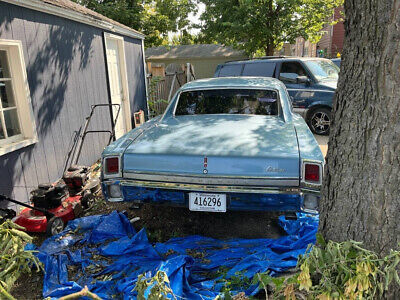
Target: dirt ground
[{"x": 163, "y": 223}]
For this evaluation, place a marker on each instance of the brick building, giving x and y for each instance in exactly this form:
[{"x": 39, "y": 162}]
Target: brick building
[{"x": 330, "y": 44}]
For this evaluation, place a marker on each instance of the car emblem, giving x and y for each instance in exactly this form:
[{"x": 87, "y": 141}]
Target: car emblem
[
  {"x": 205, "y": 164},
  {"x": 274, "y": 170}
]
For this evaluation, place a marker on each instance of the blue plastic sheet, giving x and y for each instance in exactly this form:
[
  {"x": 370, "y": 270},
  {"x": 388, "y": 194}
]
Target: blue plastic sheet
[{"x": 105, "y": 253}]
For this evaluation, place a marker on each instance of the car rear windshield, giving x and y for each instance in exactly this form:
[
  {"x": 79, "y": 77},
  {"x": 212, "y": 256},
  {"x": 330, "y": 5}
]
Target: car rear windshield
[{"x": 228, "y": 101}]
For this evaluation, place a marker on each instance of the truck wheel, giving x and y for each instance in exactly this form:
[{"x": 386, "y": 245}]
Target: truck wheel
[
  {"x": 319, "y": 121},
  {"x": 54, "y": 226},
  {"x": 88, "y": 201}
]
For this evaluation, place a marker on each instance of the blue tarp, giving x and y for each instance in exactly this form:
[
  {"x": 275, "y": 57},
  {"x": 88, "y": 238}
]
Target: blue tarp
[{"x": 105, "y": 253}]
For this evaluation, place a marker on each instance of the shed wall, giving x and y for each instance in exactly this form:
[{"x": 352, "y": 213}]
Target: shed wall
[{"x": 66, "y": 72}]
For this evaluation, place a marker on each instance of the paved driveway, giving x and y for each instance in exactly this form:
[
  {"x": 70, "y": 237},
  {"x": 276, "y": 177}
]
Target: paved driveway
[{"x": 322, "y": 142}]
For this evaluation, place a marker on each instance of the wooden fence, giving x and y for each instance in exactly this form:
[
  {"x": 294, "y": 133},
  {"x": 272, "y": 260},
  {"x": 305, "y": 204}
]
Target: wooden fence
[{"x": 162, "y": 89}]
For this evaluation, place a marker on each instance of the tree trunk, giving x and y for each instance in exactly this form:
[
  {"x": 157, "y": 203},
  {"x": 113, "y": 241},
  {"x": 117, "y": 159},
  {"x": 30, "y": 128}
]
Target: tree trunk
[
  {"x": 269, "y": 49},
  {"x": 361, "y": 193}
]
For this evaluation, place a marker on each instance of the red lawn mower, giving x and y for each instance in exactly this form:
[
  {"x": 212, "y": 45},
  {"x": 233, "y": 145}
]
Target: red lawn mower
[
  {"x": 52, "y": 208},
  {"x": 53, "y": 205}
]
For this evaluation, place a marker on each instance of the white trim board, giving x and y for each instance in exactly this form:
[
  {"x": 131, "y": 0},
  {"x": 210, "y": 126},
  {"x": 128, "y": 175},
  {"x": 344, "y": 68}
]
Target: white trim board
[
  {"x": 20, "y": 88},
  {"x": 74, "y": 16},
  {"x": 125, "y": 111}
]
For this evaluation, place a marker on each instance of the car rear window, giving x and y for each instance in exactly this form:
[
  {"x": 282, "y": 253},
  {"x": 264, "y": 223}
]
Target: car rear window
[
  {"x": 228, "y": 101},
  {"x": 230, "y": 70},
  {"x": 264, "y": 69}
]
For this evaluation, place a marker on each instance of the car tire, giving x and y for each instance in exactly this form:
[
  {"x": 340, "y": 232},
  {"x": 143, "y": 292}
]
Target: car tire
[
  {"x": 319, "y": 121},
  {"x": 54, "y": 226}
]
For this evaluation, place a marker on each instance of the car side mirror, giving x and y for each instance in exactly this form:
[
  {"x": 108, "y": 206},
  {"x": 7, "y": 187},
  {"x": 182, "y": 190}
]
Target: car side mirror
[{"x": 303, "y": 79}]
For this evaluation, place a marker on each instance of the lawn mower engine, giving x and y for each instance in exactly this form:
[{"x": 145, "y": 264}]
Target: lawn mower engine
[
  {"x": 76, "y": 178},
  {"x": 52, "y": 209},
  {"x": 55, "y": 204}
]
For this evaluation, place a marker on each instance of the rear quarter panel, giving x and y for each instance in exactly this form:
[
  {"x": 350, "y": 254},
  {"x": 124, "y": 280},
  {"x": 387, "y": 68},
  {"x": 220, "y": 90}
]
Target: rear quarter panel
[
  {"x": 119, "y": 146},
  {"x": 308, "y": 145}
]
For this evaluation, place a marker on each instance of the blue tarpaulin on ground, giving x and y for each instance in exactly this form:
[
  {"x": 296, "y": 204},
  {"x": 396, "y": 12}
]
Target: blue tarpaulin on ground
[{"x": 105, "y": 253}]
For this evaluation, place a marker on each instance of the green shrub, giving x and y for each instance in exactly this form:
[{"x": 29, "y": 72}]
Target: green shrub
[
  {"x": 334, "y": 270},
  {"x": 14, "y": 259}
]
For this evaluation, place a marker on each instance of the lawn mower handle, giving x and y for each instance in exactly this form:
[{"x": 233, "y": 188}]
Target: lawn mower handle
[{"x": 46, "y": 212}]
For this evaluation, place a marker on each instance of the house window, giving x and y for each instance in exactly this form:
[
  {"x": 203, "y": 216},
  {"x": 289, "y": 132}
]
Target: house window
[
  {"x": 17, "y": 126},
  {"x": 10, "y": 130}
]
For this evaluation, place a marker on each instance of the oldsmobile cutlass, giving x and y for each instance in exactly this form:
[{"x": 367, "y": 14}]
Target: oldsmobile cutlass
[{"x": 222, "y": 144}]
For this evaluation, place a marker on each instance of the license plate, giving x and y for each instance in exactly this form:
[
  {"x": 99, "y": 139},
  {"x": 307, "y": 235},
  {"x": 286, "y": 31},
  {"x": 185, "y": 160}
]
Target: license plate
[{"x": 207, "y": 202}]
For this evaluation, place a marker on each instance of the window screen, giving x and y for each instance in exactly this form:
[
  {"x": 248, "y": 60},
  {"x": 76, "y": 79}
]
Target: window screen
[
  {"x": 230, "y": 70},
  {"x": 264, "y": 69},
  {"x": 228, "y": 101}
]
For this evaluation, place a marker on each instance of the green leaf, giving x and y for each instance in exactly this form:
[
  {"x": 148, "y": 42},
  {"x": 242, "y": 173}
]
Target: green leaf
[{"x": 320, "y": 240}]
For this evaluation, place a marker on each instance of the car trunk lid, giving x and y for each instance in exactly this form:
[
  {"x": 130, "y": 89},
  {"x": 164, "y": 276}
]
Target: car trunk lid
[{"x": 217, "y": 145}]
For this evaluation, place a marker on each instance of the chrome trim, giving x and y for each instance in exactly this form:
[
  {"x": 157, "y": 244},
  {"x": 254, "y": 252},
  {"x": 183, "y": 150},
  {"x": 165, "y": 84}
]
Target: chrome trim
[
  {"x": 210, "y": 188},
  {"x": 310, "y": 90},
  {"x": 115, "y": 199},
  {"x": 214, "y": 180},
  {"x": 309, "y": 211}
]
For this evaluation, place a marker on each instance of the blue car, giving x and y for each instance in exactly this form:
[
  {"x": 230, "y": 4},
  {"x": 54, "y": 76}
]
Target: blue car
[
  {"x": 310, "y": 81},
  {"x": 222, "y": 144}
]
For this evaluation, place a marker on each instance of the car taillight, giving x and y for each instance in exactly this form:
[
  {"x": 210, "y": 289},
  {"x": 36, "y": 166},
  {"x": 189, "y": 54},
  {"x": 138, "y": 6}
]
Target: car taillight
[
  {"x": 311, "y": 172},
  {"x": 111, "y": 165}
]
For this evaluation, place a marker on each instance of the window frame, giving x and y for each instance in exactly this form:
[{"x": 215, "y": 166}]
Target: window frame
[{"x": 21, "y": 93}]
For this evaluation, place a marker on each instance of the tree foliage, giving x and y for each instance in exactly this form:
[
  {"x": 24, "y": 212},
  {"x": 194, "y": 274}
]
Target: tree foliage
[
  {"x": 14, "y": 259},
  {"x": 153, "y": 18},
  {"x": 333, "y": 270},
  {"x": 264, "y": 25}
]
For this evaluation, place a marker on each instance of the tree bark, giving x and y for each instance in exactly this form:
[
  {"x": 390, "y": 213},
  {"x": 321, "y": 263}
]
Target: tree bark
[
  {"x": 361, "y": 193},
  {"x": 269, "y": 49}
]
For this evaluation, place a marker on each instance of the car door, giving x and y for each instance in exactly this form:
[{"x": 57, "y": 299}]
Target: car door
[{"x": 300, "y": 92}]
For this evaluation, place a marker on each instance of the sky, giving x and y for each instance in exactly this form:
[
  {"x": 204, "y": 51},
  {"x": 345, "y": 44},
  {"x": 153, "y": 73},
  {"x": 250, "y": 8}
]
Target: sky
[{"x": 194, "y": 18}]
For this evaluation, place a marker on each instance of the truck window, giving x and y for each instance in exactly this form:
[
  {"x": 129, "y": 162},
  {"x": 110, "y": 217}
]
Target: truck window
[
  {"x": 290, "y": 71},
  {"x": 265, "y": 69},
  {"x": 230, "y": 70}
]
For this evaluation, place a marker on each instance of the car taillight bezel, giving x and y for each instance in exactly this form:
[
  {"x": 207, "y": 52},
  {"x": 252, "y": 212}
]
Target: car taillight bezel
[
  {"x": 105, "y": 169},
  {"x": 303, "y": 172}
]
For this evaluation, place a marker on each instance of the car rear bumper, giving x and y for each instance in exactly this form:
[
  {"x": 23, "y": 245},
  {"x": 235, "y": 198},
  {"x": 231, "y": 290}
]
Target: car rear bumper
[{"x": 286, "y": 199}]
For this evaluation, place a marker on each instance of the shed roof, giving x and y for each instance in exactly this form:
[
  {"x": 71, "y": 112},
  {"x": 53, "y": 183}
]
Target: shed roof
[
  {"x": 193, "y": 51},
  {"x": 71, "y": 10}
]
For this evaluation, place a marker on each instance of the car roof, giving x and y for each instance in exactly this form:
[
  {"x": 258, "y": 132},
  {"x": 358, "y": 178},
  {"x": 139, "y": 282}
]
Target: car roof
[
  {"x": 273, "y": 59},
  {"x": 234, "y": 82}
]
